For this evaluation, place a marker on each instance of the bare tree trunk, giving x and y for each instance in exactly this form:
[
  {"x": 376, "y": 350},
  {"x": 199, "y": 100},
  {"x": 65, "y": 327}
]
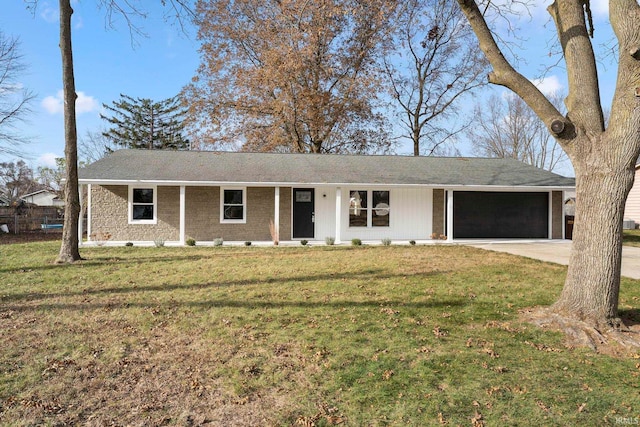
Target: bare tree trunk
[
  {"x": 69, "y": 251},
  {"x": 591, "y": 289},
  {"x": 603, "y": 160}
]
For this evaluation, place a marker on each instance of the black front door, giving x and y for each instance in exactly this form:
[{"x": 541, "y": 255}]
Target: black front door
[{"x": 303, "y": 213}]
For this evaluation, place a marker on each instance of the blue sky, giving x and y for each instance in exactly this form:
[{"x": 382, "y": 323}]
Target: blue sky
[{"x": 108, "y": 62}]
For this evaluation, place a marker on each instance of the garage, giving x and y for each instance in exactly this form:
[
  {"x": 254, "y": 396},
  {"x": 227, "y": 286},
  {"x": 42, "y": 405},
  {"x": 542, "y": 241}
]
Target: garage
[{"x": 506, "y": 215}]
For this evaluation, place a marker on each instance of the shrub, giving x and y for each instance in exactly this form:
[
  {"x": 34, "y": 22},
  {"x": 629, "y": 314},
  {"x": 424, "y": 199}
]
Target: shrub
[
  {"x": 159, "y": 242},
  {"x": 304, "y": 242},
  {"x": 386, "y": 241},
  {"x": 329, "y": 241},
  {"x": 129, "y": 244},
  {"x": 100, "y": 237},
  {"x": 356, "y": 242},
  {"x": 247, "y": 243},
  {"x": 218, "y": 242},
  {"x": 412, "y": 242},
  {"x": 191, "y": 242}
]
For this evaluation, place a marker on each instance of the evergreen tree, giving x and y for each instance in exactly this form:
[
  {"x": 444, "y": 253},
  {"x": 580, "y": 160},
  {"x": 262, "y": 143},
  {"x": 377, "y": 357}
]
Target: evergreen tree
[{"x": 143, "y": 123}]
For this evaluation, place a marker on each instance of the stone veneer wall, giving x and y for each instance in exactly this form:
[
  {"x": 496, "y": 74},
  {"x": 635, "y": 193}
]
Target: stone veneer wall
[
  {"x": 557, "y": 215},
  {"x": 109, "y": 214},
  {"x": 437, "y": 226},
  {"x": 203, "y": 215}
]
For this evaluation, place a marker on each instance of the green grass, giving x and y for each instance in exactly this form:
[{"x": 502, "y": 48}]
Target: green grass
[
  {"x": 379, "y": 336},
  {"x": 631, "y": 238}
]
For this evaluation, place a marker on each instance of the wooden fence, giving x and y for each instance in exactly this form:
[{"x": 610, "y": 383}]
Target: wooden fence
[{"x": 22, "y": 219}]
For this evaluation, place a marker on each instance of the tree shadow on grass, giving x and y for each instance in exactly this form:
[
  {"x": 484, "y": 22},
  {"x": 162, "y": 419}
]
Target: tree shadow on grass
[
  {"x": 241, "y": 304},
  {"x": 372, "y": 275},
  {"x": 106, "y": 261}
]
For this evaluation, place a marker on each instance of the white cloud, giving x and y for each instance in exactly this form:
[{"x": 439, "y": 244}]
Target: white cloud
[
  {"x": 48, "y": 160},
  {"x": 84, "y": 103},
  {"x": 549, "y": 85},
  {"x": 49, "y": 13}
]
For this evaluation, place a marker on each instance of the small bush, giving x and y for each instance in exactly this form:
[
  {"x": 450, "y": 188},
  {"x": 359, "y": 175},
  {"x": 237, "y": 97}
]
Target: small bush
[
  {"x": 247, "y": 243},
  {"x": 159, "y": 242},
  {"x": 129, "y": 244},
  {"x": 356, "y": 242},
  {"x": 100, "y": 237},
  {"x": 218, "y": 242},
  {"x": 329, "y": 241},
  {"x": 412, "y": 242},
  {"x": 386, "y": 241},
  {"x": 191, "y": 242},
  {"x": 304, "y": 242}
]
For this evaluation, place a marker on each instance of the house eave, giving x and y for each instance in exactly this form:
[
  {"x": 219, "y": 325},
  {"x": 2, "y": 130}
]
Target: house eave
[{"x": 453, "y": 187}]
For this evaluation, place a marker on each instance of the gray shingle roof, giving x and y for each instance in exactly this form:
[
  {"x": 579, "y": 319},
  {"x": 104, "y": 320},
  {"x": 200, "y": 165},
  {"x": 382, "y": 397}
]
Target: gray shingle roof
[{"x": 274, "y": 168}]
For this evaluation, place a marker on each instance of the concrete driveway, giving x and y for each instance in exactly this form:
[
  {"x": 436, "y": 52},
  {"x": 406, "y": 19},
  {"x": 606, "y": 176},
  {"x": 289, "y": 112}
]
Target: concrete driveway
[{"x": 558, "y": 252}]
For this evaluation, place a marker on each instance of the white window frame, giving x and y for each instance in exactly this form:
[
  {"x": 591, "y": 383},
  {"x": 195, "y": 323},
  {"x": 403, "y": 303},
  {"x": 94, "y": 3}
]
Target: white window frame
[
  {"x": 244, "y": 206},
  {"x": 369, "y": 209},
  {"x": 154, "y": 204}
]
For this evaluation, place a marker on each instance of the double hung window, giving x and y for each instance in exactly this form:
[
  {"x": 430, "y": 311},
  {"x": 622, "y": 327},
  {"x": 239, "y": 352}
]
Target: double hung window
[
  {"x": 233, "y": 205},
  {"x": 142, "y": 205}
]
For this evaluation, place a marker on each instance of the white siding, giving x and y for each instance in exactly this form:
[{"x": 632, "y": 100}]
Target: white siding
[
  {"x": 410, "y": 215},
  {"x": 632, "y": 208},
  {"x": 325, "y": 212}
]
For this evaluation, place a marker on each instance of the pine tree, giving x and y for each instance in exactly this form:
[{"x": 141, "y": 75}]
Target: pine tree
[{"x": 144, "y": 124}]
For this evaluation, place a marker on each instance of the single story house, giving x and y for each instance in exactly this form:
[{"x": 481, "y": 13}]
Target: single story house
[
  {"x": 632, "y": 207},
  {"x": 43, "y": 198},
  {"x": 144, "y": 195}
]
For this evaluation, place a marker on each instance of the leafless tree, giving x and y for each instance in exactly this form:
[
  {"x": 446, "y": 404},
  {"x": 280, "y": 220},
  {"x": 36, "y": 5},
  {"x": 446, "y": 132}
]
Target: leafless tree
[
  {"x": 14, "y": 99},
  {"x": 603, "y": 155},
  {"x": 290, "y": 76},
  {"x": 94, "y": 146},
  {"x": 129, "y": 10},
  {"x": 434, "y": 63},
  {"x": 505, "y": 126},
  {"x": 17, "y": 179}
]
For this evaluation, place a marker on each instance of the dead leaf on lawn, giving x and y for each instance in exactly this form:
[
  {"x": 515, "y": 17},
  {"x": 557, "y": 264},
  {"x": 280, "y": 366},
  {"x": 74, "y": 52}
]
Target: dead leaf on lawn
[
  {"x": 582, "y": 407},
  {"x": 335, "y": 420},
  {"x": 387, "y": 374},
  {"x": 477, "y": 420},
  {"x": 543, "y": 347},
  {"x": 439, "y": 333},
  {"x": 441, "y": 419},
  {"x": 389, "y": 311},
  {"x": 542, "y": 406}
]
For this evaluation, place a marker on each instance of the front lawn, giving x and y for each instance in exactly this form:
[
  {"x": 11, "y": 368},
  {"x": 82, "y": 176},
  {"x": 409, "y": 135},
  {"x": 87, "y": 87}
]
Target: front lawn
[
  {"x": 353, "y": 336},
  {"x": 631, "y": 238}
]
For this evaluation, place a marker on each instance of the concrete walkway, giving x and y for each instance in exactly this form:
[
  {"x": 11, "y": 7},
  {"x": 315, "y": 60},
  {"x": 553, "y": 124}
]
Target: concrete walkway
[{"x": 558, "y": 252}]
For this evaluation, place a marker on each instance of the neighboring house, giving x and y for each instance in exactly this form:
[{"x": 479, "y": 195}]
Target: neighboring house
[
  {"x": 143, "y": 195},
  {"x": 43, "y": 198},
  {"x": 4, "y": 200},
  {"x": 632, "y": 207}
]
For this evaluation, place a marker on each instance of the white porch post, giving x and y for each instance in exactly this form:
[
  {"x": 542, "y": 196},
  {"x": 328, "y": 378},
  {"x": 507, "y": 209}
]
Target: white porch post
[
  {"x": 449, "y": 215},
  {"x": 80, "y": 219},
  {"x": 550, "y": 225},
  {"x": 276, "y": 212},
  {"x": 564, "y": 219},
  {"x": 338, "y": 214},
  {"x": 183, "y": 215},
  {"x": 89, "y": 210}
]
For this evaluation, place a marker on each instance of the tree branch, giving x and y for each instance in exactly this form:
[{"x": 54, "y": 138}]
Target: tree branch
[{"x": 504, "y": 74}]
